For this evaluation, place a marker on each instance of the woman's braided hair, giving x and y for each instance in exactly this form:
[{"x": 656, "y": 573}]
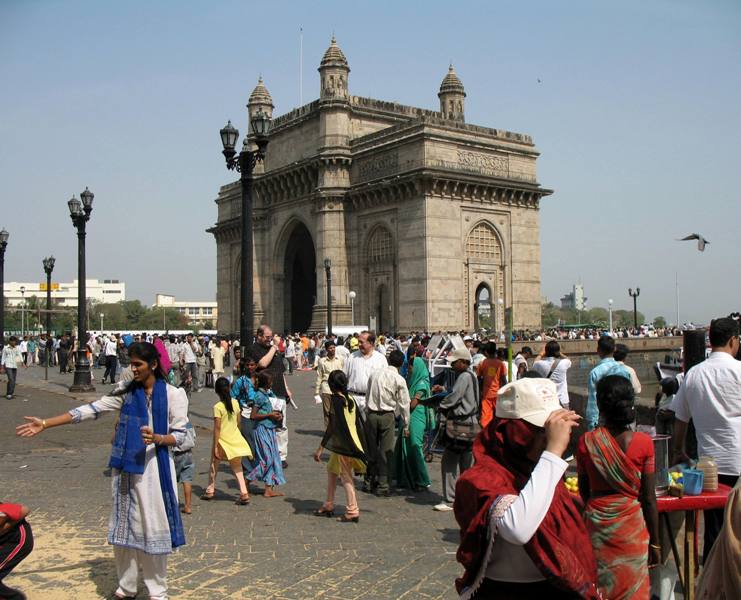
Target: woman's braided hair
[{"x": 616, "y": 400}]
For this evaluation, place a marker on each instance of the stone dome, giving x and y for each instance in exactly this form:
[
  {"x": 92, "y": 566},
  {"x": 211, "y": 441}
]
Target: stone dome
[
  {"x": 334, "y": 56},
  {"x": 452, "y": 83},
  {"x": 260, "y": 95}
]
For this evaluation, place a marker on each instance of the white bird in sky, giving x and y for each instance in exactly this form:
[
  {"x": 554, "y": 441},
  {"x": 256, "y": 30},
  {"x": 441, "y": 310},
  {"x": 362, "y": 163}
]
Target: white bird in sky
[{"x": 701, "y": 241}]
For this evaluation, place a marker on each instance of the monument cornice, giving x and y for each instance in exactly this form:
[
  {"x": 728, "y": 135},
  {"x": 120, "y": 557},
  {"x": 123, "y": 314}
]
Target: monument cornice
[
  {"x": 429, "y": 182},
  {"x": 294, "y": 181}
]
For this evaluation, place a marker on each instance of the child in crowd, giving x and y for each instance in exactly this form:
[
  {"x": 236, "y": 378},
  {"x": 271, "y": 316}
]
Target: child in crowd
[
  {"x": 228, "y": 442},
  {"x": 16, "y": 543},
  {"x": 344, "y": 439},
  {"x": 267, "y": 464},
  {"x": 243, "y": 391},
  {"x": 184, "y": 466}
]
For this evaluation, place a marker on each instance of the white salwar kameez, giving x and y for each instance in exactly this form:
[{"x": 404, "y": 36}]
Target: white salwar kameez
[{"x": 138, "y": 527}]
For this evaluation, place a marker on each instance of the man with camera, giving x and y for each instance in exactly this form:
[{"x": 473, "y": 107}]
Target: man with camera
[{"x": 268, "y": 358}]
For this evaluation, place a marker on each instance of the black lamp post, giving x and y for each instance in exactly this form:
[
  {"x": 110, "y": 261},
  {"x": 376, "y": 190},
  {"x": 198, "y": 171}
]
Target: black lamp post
[
  {"x": 245, "y": 164},
  {"x": 4, "y": 235},
  {"x": 48, "y": 268},
  {"x": 635, "y": 295},
  {"x": 80, "y": 214},
  {"x": 328, "y": 270}
]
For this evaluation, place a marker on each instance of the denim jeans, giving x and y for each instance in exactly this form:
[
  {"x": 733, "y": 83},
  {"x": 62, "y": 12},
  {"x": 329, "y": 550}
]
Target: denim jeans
[{"x": 11, "y": 373}]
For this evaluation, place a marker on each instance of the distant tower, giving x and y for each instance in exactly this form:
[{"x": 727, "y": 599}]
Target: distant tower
[
  {"x": 452, "y": 97},
  {"x": 334, "y": 72}
]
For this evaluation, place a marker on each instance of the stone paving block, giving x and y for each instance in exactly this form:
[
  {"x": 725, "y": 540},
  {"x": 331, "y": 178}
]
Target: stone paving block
[{"x": 271, "y": 549}]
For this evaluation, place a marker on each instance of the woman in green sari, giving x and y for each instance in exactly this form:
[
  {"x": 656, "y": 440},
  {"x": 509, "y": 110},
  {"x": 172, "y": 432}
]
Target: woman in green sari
[{"x": 409, "y": 459}]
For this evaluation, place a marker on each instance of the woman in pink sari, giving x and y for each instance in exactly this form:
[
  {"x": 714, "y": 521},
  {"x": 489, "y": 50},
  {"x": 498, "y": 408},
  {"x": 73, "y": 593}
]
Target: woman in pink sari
[{"x": 616, "y": 481}]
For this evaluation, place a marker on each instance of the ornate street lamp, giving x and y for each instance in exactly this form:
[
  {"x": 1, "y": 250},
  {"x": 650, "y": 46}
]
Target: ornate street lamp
[
  {"x": 328, "y": 270},
  {"x": 245, "y": 165},
  {"x": 4, "y": 235},
  {"x": 80, "y": 214},
  {"x": 48, "y": 268},
  {"x": 635, "y": 295},
  {"x": 23, "y": 310}
]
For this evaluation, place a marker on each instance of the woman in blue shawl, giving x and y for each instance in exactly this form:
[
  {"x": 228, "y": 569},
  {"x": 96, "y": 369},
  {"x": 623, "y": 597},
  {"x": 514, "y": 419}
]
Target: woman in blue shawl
[
  {"x": 145, "y": 524},
  {"x": 409, "y": 459}
]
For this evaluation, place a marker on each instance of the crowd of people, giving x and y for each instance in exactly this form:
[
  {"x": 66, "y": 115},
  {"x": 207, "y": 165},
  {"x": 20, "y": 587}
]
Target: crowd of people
[{"x": 502, "y": 440}]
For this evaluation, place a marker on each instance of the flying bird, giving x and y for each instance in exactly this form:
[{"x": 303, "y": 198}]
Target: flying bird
[{"x": 701, "y": 241}]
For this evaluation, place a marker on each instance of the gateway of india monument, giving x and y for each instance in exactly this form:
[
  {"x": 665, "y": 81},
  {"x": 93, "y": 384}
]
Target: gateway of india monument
[{"x": 428, "y": 219}]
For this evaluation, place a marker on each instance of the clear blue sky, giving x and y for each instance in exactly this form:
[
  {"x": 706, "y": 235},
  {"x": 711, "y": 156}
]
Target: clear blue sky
[{"x": 638, "y": 119}]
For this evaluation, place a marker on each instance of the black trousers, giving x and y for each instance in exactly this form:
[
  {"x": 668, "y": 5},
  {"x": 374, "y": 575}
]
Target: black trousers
[
  {"x": 111, "y": 363},
  {"x": 714, "y": 518},
  {"x": 14, "y": 547},
  {"x": 62, "y": 361}
]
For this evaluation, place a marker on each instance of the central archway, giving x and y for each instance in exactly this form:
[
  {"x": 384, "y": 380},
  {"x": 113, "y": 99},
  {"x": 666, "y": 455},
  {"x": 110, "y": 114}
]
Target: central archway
[{"x": 300, "y": 279}]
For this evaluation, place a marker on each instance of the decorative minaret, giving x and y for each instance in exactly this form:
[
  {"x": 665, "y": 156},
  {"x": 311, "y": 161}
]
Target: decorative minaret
[
  {"x": 333, "y": 182},
  {"x": 452, "y": 97},
  {"x": 260, "y": 99},
  {"x": 334, "y": 72}
]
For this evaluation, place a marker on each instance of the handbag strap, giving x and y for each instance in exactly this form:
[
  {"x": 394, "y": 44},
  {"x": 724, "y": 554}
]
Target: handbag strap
[{"x": 553, "y": 367}]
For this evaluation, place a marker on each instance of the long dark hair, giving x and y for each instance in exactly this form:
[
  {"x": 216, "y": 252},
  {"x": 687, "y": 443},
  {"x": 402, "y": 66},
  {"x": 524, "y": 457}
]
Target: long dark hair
[
  {"x": 337, "y": 382},
  {"x": 149, "y": 354},
  {"x": 223, "y": 391}
]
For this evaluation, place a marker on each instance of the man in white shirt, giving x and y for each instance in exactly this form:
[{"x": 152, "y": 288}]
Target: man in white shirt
[
  {"x": 11, "y": 358},
  {"x": 552, "y": 364},
  {"x": 621, "y": 353},
  {"x": 711, "y": 396},
  {"x": 189, "y": 351},
  {"x": 386, "y": 399},
  {"x": 111, "y": 360},
  {"x": 359, "y": 366},
  {"x": 520, "y": 362}
]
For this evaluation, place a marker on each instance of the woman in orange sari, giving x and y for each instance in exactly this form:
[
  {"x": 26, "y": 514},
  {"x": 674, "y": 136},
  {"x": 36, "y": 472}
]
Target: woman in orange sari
[{"x": 616, "y": 482}]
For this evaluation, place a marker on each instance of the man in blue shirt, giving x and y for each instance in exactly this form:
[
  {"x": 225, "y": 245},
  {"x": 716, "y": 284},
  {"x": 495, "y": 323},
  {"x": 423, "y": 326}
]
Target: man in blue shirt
[{"x": 606, "y": 366}]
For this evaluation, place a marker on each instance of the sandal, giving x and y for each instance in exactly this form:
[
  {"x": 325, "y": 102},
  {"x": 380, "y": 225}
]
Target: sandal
[
  {"x": 243, "y": 500},
  {"x": 348, "y": 519},
  {"x": 206, "y": 496},
  {"x": 324, "y": 512}
]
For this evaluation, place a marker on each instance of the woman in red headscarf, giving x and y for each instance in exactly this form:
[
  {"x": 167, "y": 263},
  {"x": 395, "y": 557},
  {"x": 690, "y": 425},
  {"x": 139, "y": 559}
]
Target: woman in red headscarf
[{"x": 521, "y": 534}]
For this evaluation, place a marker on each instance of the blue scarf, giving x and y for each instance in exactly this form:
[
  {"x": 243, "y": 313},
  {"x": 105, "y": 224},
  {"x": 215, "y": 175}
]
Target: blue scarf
[{"x": 129, "y": 450}]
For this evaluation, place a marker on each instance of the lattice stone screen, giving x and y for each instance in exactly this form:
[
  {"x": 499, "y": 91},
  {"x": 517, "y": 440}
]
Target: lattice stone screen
[
  {"x": 380, "y": 246},
  {"x": 483, "y": 243}
]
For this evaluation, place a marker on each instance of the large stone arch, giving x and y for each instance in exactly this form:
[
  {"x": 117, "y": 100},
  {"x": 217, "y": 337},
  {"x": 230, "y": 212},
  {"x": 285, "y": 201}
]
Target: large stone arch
[
  {"x": 380, "y": 252},
  {"x": 484, "y": 267},
  {"x": 294, "y": 275}
]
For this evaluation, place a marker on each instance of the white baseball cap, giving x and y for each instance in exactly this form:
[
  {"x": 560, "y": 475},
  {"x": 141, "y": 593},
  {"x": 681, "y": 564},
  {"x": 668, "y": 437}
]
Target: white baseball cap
[
  {"x": 530, "y": 399},
  {"x": 459, "y": 354}
]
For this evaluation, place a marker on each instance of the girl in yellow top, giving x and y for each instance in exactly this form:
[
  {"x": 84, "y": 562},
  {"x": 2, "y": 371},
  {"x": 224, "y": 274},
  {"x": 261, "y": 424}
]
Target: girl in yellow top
[
  {"x": 228, "y": 442},
  {"x": 344, "y": 440}
]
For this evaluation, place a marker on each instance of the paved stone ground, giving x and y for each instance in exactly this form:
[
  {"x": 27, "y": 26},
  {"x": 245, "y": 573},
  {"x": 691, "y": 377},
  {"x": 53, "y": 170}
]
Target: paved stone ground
[{"x": 273, "y": 548}]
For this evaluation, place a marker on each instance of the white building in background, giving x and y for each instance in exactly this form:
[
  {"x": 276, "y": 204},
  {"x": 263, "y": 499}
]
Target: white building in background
[
  {"x": 106, "y": 291},
  {"x": 575, "y": 299},
  {"x": 197, "y": 311}
]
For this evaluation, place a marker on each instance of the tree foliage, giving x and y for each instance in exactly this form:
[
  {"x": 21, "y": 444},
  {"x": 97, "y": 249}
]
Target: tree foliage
[
  {"x": 128, "y": 315},
  {"x": 553, "y": 315},
  {"x": 659, "y": 322}
]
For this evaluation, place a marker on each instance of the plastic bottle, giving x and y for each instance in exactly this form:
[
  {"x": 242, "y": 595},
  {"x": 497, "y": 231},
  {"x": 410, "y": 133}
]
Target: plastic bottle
[{"x": 709, "y": 467}]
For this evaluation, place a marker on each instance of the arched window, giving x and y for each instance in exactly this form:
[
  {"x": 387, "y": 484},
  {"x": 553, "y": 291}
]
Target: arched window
[
  {"x": 483, "y": 243},
  {"x": 380, "y": 246}
]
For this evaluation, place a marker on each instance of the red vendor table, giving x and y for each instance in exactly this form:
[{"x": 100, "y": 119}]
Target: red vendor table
[{"x": 690, "y": 505}]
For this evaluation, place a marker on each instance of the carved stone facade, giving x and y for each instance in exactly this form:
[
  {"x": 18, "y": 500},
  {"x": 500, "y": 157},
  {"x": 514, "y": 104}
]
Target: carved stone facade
[{"x": 417, "y": 210}]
